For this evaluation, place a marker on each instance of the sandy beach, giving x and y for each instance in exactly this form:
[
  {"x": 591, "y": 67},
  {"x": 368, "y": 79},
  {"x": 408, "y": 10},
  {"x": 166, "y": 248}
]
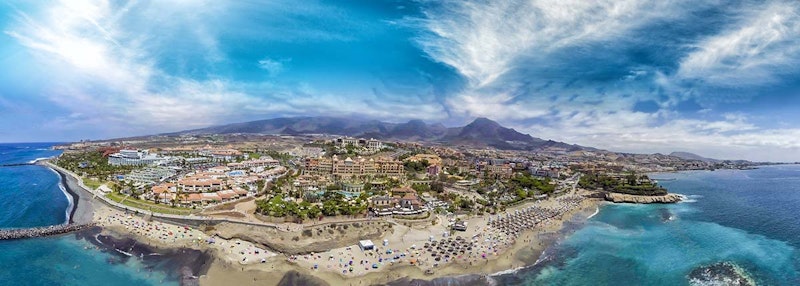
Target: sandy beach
[
  {"x": 405, "y": 255},
  {"x": 491, "y": 243}
]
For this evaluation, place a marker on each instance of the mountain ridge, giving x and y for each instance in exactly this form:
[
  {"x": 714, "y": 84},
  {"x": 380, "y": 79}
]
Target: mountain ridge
[
  {"x": 481, "y": 132},
  {"x": 692, "y": 156}
]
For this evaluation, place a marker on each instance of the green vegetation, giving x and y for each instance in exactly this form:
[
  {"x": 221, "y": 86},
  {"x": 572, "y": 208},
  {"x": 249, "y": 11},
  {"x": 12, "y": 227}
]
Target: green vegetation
[
  {"x": 421, "y": 188},
  {"x": 416, "y": 166},
  {"x": 333, "y": 204},
  {"x": 94, "y": 164},
  {"x": 92, "y": 183},
  {"x": 628, "y": 184},
  {"x": 282, "y": 157},
  {"x": 527, "y": 181},
  {"x": 148, "y": 206}
]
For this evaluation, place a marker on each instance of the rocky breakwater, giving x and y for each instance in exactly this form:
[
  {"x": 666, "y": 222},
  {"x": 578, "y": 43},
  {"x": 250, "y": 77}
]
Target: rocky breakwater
[
  {"x": 626, "y": 198},
  {"x": 7, "y": 234}
]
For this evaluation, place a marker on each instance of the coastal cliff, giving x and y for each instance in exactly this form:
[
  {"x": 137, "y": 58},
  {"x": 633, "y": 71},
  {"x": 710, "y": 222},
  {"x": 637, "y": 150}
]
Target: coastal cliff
[{"x": 625, "y": 198}]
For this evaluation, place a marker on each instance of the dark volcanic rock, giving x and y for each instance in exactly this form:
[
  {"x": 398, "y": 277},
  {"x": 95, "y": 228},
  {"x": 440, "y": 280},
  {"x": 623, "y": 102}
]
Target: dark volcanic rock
[
  {"x": 292, "y": 278},
  {"x": 722, "y": 273},
  {"x": 185, "y": 265}
]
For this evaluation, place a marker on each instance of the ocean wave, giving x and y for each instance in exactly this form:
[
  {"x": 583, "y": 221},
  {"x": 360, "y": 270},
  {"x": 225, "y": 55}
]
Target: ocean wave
[
  {"x": 66, "y": 194},
  {"x": 596, "y": 211},
  {"x": 508, "y": 271},
  {"x": 689, "y": 198},
  {"x": 123, "y": 252},
  {"x": 34, "y": 161}
]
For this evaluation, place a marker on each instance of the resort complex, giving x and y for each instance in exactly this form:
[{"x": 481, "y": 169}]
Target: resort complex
[{"x": 349, "y": 207}]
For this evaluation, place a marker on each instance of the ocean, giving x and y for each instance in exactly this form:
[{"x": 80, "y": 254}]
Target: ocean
[
  {"x": 746, "y": 218},
  {"x": 32, "y": 196}
]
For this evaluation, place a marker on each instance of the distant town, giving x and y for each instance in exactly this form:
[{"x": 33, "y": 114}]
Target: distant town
[
  {"x": 300, "y": 177},
  {"x": 444, "y": 200}
]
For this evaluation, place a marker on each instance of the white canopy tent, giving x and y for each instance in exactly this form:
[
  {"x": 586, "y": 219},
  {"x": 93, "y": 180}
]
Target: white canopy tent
[{"x": 366, "y": 245}]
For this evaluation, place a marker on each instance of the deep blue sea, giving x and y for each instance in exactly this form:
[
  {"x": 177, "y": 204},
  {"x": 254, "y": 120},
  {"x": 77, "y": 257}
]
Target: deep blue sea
[
  {"x": 32, "y": 196},
  {"x": 750, "y": 218}
]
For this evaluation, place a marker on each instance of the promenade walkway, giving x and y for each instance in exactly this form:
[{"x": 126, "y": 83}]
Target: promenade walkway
[{"x": 192, "y": 218}]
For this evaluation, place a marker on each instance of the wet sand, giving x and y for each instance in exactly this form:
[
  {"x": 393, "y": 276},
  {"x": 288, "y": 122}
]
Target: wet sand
[
  {"x": 83, "y": 205},
  {"x": 224, "y": 263},
  {"x": 181, "y": 264},
  {"x": 525, "y": 251}
]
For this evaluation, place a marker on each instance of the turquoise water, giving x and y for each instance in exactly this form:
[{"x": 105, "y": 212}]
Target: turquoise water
[
  {"x": 31, "y": 196},
  {"x": 750, "y": 218}
]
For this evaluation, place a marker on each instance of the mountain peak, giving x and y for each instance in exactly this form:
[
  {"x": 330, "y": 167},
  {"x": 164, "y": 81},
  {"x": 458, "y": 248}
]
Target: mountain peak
[
  {"x": 480, "y": 132},
  {"x": 484, "y": 121}
]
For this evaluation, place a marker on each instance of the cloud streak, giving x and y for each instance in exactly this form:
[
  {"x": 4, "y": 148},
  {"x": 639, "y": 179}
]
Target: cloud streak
[
  {"x": 756, "y": 50},
  {"x": 613, "y": 74}
]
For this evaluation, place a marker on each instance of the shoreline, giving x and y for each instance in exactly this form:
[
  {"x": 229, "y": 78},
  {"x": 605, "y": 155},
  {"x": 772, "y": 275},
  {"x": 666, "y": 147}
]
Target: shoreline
[
  {"x": 82, "y": 206},
  {"x": 524, "y": 252},
  {"x": 70, "y": 212},
  {"x": 72, "y": 196},
  {"x": 182, "y": 264},
  {"x": 225, "y": 266}
]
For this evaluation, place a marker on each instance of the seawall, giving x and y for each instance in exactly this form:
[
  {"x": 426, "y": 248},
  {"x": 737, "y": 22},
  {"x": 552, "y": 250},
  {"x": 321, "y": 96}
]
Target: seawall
[
  {"x": 625, "y": 198},
  {"x": 7, "y": 234}
]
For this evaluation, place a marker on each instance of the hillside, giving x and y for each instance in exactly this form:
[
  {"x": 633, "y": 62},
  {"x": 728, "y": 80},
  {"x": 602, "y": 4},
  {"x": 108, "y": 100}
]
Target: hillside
[
  {"x": 692, "y": 156},
  {"x": 482, "y": 132}
]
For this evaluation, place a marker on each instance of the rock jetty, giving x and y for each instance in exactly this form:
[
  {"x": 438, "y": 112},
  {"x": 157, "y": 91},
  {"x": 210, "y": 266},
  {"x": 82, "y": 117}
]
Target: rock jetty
[
  {"x": 7, "y": 234},
  {"x": 625, "y": 198}
]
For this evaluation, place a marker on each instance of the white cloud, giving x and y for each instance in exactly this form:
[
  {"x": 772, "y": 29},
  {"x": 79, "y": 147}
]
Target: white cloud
[
  {"x": 498, "y": 106},
  {"x": 100, "y": 71},
  {"x": 488, "y": 41},
  {"x": 733, "y": 137},
  {"x": 481, "y": 39},
  {"x": 273, "y": 67},
  {"x": 762, "y": 46}
]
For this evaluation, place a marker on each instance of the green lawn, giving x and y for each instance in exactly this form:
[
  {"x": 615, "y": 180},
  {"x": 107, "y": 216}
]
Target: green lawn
[
  {"x": 149, "y": 206},
  {"x": 94, "y": 184}
]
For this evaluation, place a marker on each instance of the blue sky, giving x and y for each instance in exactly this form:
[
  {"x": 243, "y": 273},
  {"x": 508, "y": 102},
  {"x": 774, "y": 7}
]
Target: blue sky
[{"x": 719, "y": 78}]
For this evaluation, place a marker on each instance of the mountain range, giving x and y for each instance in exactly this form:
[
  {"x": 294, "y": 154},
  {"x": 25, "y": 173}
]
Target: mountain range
[
  {"x": 481, "y": 132},
  {"x": 692, "y": 156}
]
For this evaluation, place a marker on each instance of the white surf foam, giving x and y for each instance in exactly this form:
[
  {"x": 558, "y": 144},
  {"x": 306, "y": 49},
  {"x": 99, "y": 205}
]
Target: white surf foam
[
  {"x": 123, "y": 252},
  {"x": 689, "y": 198},
  {"x": 38, "y": 159},
  {"x": 508, "y": 271},
  {"x": 66, "y": 194},
  {"x": 596, "y": 211}
]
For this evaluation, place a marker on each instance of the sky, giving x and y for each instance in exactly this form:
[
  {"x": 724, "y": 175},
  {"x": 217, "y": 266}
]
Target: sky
[{"x": 717, "y": 78}]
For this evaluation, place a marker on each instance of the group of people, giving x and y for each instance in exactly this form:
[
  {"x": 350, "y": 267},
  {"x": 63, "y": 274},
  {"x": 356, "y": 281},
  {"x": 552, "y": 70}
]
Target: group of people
[
  {"x": 487, "y": 239},
  {"x": 514, "y": 223},
  {"x": 158, "y": 231}
]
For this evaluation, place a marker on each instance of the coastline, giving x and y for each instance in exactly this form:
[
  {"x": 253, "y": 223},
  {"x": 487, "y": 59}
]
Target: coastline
[
  {"x": 524, "y": 252},
  {"x": 182, "y": 264},
  {"x": 82, "y": 206},
  {"x": 129, "y": 235},
  {"x": 70, "y": 211},
  {"x": 224, "y": 266}
]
